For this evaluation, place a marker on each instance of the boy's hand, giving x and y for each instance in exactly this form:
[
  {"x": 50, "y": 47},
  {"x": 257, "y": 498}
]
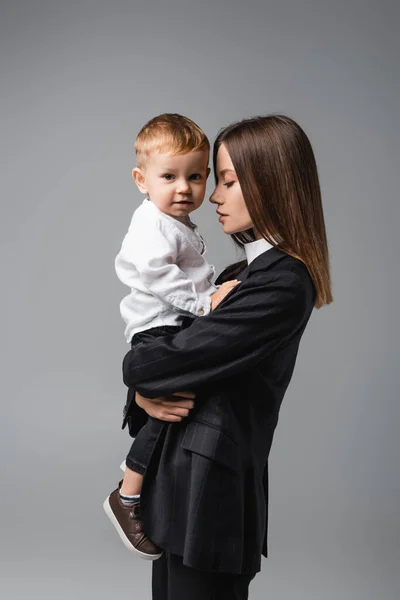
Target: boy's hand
[
  {"x": 222, "y": 291},
  {"x": 166, "y": 409}
]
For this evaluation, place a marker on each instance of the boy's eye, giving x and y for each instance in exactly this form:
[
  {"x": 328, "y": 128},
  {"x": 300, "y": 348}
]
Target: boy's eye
[
  {"x": 195, "y": 177},
  {"x": 168, "y": 176}
]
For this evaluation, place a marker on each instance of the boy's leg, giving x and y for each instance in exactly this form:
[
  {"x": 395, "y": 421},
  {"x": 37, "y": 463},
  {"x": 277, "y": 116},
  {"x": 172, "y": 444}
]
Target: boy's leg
[
  {"x": 142, "y": 447},
  {"x": 123, "y": 505},
  {"x": 132, "y": 483}
]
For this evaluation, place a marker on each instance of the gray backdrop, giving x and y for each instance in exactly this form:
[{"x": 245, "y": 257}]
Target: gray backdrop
[{"x": 78, "y": 81}]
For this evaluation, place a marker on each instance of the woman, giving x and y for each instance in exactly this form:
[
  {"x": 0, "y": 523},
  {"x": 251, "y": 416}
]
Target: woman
[{"x": 205, "y": 492}]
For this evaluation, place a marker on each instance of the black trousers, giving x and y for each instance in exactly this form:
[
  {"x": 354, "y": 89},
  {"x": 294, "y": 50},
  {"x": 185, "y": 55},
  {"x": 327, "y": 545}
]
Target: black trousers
[
  {"x": 143, "y": 444},
  {"x": 139, "y": 455},
  {"x": 172, "y": 580}
]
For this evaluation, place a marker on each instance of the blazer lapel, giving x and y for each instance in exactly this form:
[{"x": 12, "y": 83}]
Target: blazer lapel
[{"x": 263, "y": 262}]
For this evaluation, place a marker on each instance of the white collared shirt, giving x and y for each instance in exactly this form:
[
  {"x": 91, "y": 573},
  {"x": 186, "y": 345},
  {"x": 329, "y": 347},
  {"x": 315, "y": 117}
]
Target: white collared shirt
[
  {"x": 162, "y": 262},
  {"x": 254, "y": 249}
]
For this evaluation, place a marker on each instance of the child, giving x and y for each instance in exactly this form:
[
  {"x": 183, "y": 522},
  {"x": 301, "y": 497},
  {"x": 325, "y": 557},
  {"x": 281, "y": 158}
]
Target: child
[{"x": 162, "y": 261}]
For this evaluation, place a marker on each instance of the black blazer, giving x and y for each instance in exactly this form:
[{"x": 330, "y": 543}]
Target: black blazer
[{"x": 205, "y": 491}]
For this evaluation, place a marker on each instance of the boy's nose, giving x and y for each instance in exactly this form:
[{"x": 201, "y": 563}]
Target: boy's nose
[{"x": 183, "y": 187}]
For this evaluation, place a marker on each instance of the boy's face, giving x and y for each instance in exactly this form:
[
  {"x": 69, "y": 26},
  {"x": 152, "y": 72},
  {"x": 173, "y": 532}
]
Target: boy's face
[{"x": 176, "y": 184}]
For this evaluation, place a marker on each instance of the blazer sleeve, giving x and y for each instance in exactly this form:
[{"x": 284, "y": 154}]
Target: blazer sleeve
[{"x": 254, "y": 319}]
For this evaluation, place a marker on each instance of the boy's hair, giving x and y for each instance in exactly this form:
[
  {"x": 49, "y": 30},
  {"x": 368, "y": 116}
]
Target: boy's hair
[{"x": 169, "y": 133}]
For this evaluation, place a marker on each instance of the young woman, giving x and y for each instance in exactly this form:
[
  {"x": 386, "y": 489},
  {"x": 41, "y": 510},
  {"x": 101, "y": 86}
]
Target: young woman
[{"x": 204, "y": 499}]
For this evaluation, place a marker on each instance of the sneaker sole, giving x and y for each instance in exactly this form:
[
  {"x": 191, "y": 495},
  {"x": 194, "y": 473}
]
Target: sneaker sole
[{"x": 124, "y": 539}]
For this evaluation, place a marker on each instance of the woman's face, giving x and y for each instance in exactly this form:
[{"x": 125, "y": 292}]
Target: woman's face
[{"x": 228, "y": 196}]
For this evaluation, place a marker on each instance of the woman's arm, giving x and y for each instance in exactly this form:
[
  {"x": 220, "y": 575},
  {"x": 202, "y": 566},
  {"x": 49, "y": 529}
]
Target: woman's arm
[{"x": 258, "y": 316}]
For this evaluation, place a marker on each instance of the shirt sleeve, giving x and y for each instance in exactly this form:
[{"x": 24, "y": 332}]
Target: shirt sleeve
[
  {"x": 252, "y": 321},
  {"x": 153, "y": 250}
]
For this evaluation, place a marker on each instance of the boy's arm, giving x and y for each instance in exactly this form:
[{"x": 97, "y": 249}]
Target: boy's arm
[{"x": 154, "y": 252}]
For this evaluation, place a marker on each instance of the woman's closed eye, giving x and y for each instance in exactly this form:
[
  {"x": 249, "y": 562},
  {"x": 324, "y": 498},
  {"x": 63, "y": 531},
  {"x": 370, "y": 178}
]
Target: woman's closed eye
[{"x": 228, "y": 184}]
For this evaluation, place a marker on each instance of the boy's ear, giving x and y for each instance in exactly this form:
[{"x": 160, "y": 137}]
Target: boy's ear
[
  {"x": 139, "y": 179},
  {"x": 208, "y": 172}
]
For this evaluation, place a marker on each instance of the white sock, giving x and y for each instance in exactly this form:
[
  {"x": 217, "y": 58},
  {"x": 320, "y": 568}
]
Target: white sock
[{"x": 129, "y": 500}]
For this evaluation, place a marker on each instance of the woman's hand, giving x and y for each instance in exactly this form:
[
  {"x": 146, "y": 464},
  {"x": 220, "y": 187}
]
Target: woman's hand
[
  {"x": 222, "y": 291},
  {"x": 166, "y": 409}
]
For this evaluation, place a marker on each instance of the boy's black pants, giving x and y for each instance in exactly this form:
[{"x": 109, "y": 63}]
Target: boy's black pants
[{"x": 143, "y": 444}]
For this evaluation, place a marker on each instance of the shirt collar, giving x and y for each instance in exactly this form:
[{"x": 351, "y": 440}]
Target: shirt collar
[
  {"x": 185, "y": 220},
  {"x": 254, "y": 249}
]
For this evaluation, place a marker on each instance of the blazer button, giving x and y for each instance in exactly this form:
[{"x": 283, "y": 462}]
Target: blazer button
[{"x": 201, "y": 311}]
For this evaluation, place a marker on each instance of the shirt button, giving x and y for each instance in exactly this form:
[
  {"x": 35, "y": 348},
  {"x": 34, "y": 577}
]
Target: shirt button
[{"x": 201, "y": 311}]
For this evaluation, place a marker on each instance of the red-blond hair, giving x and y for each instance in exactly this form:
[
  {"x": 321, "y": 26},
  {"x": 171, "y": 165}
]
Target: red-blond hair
[{"x": 169, "y": 133}]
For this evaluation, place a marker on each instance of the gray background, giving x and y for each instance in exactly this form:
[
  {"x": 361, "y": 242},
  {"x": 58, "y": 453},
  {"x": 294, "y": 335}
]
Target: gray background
[{"x": 78, "y": 80}]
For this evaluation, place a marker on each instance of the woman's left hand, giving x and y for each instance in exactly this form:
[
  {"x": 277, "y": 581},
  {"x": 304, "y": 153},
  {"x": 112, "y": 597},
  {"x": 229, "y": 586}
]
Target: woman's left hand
[{"x": 166, "y": 409}]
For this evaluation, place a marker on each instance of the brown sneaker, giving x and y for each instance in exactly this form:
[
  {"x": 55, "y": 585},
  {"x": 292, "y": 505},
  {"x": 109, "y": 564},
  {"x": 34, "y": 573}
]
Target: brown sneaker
[{"x": 127, "y": 522}]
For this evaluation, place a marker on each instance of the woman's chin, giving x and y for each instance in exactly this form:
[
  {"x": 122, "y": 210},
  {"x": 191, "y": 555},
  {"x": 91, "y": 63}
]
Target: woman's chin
[
  {"x": 225, "y": 228},
  {"x": 229, "y": 230}
]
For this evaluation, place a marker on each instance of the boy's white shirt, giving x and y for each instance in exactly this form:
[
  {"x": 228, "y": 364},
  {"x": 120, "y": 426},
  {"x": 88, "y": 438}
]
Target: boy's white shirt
[{"x": 162, "y": 261}]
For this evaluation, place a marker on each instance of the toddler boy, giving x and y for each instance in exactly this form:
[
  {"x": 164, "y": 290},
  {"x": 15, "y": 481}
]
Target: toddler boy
[{"x": 162, "y": 261}]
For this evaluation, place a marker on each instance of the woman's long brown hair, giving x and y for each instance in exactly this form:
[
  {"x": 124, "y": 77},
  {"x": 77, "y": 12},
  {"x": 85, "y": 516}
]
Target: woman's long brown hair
[{"x": 277, "y": 172}]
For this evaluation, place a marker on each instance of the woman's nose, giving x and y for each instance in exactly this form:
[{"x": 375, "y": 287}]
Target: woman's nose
[{"x": 213, "y": 198}]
